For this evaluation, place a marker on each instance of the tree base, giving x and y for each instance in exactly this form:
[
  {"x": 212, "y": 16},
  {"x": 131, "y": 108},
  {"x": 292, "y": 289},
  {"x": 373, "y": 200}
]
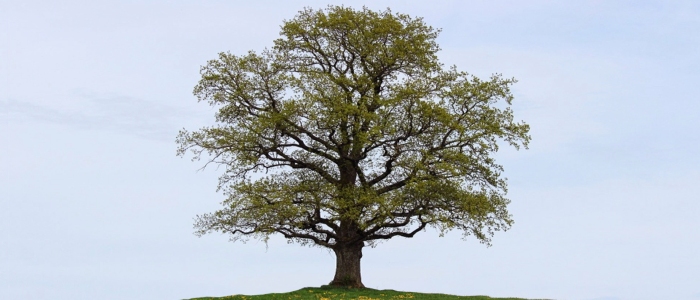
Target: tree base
[{"x": 348, "y": 284}]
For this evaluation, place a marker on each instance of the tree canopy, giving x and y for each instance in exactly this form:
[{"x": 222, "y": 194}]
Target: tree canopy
[{"x": 366, "y": 134}]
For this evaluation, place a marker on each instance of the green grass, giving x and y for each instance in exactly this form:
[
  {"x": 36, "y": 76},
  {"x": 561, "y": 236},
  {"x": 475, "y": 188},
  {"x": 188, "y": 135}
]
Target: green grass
[{"x": 333, "y": 293}]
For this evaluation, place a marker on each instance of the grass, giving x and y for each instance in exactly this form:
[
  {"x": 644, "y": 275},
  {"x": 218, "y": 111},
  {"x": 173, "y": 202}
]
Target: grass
[{"x": 333, "y": 293}]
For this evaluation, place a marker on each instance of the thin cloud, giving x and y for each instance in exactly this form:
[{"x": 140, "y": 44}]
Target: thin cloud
[{"x": 121, "y": 114}]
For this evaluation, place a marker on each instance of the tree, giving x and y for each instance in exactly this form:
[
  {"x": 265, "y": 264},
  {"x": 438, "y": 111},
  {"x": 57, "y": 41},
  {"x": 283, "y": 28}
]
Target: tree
[{"x": 372, "y": 137}]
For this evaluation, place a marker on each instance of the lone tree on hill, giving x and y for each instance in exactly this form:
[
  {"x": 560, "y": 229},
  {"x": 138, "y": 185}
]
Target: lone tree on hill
[{"x": 380, "y": 139}]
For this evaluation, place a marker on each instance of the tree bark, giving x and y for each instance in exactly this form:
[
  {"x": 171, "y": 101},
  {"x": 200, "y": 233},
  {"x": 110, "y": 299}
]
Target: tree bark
[{"x": 347, "y": 267}]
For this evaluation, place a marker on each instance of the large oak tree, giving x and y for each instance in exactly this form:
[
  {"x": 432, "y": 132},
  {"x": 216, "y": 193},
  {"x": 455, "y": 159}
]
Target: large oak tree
[{"x": 368, "y": 137}]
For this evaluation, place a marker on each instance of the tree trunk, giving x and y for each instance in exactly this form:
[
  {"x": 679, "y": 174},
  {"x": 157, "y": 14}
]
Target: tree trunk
[{"x": 347, "y": 267}]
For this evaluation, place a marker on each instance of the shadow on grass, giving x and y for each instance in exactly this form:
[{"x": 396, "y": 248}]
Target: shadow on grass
[{"x": 332, "y": 293}]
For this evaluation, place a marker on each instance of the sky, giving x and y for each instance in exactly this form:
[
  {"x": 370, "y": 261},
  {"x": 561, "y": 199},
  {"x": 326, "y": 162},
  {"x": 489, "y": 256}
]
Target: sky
[{"x": 95, "y": 204}]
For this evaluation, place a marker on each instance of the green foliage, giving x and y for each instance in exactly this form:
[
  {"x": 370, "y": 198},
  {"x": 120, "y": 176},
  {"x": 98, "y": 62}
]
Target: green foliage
[
  {"x": 334, "y": 293},
  {"x": 369, "y": 132}
]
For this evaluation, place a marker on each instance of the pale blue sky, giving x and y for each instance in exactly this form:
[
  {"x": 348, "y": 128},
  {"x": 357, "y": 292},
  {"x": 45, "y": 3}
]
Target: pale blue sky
[{"x": 94, "y": 204}]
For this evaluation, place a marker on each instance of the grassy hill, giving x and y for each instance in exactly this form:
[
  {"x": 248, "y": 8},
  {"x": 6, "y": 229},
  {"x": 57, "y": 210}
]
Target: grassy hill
[{"x": 333, "y": 293}]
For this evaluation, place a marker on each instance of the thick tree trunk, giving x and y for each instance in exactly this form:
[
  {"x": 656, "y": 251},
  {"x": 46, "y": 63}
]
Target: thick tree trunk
[{"x": 347, "y": 267}]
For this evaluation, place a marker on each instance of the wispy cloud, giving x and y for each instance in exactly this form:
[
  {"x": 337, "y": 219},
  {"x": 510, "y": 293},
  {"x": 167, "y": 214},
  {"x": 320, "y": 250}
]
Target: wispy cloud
[{"x": 124, "y": 114}]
